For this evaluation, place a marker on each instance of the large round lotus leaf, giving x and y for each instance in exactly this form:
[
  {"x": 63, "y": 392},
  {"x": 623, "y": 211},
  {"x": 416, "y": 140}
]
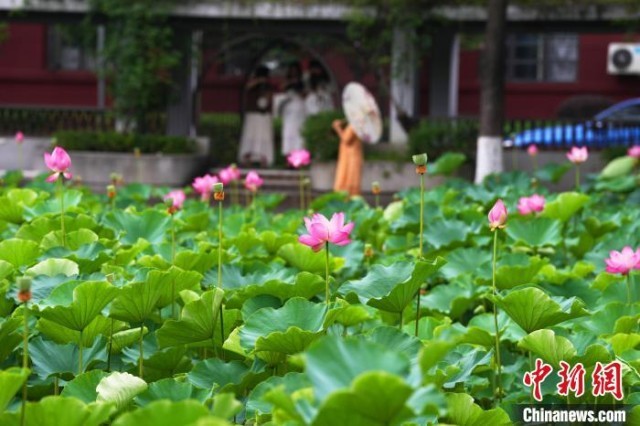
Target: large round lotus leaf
[
  {"x": 89, "y": 298},
  {"x": 172, "y": 390},
  {"x": 198, "y": 322},
  {"x": 333, "y": 363},
  {"x": 532, "y": 309},
  {"x": 391, "y": 288},
  {"x": 290, "y": 383},
  {"x": 618, "y": 167},
  {"x": 13, "y": 202},
  {"x": 440, "y": 233},
  {"x": 551, "y": 348},
  {"x": 9, "y": 336},
  {"x": 120, "y": 388},
  {"x": 73, "y": 239},
  {"x": 84, "y": 386},
  {"x": 137, "y": 301},
  {"x": 391, "y": 337},
  {"x": 60, "y": 410},
  {"x": 60, "y": 334},
  {"x": 151, "y": 225},
  {"x": 168, "y": 413},
  {"x": 67, "y": 357},
  {"x": 215, "y": 373},
  {"x": 463, "y": 411},
  {"x": 447, "y": 164},
  {"x": 53, "y": 267},
  {"x": 289, "y": 329},
  {"x": 536, "y": 232},
  {"x": 565, "y": 206},
  {"x": 19, "y": 252},
  {"x": 375, "y": 398},
  {"x": 72, "y": 198},
  {"x": 303, "y": 258},
  {"x": 178, "y": 279},
  {"x": 466, "y": 261},
  {"x": 10, "y": 381}
]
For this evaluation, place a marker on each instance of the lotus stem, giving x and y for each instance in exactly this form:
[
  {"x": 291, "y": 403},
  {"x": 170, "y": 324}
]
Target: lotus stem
[
  {"x": 110, "y": 346},
  {"x": 80, "y": 348},
  {"x": 61, "y": 190},
  {"x": 56, "y": 385},
  {"x": 221, "y": 310},
  {"x": 326, "y": 275},
  {"x": 301, "y": 179},
  {"x": 629, "y": 289},
  {"x": 25, "y": 360},
  {"x": 498, "y": 389},
  {"x": 141, "y": 349},
  {"x": 578, "y": 177},
  {"x": 420, "y": 251},
  {"x": 377, "y": 197},
  {"x": 235, "y": 194}
]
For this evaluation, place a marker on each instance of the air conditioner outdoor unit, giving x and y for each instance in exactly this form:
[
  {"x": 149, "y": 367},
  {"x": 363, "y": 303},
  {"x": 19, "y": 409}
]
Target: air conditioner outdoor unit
[{"x": 624, "y": 59}]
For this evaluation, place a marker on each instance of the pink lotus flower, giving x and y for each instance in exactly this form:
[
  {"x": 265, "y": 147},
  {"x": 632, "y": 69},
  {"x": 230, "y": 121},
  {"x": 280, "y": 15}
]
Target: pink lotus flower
[
  {"x": 578, "y": 155},
  {"x": 204, "y": 185},
  {"x": 634, "y": 151},
  {"x": 621, "y": 262},
  {"x": 59, "y": 162},
  {"x": 253, "y": 181},
  {"x": 532, "y": 150},
  {"x": 322, "y": 231},
  {"x": 299, "y": 158},
  {"x": 176, "y": 198},
  {"x": 229, "y": 174},
  {"x": 533, "y": 204},
  {"x": 19, "y": 138},
  {"x": 497, "y": 215}
]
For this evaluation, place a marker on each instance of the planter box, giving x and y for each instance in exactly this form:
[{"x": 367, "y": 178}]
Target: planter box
[
  {"x": 392, "y": 176},
  {"x": 95, "y": 168}
]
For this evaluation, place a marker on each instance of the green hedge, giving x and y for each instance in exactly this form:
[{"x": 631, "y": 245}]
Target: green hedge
[
  {"x": 321, "y": 140},
  {"x": 120, "y": 142},
  {"x": 435, "y": 137}
]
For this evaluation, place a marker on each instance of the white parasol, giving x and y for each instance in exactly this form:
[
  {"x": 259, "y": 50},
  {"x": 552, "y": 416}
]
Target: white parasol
[{"x": 362, "y": 112}]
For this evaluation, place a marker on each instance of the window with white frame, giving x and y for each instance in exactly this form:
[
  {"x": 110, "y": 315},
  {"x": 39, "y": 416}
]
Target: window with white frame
[{"x": 542, "y": 57}]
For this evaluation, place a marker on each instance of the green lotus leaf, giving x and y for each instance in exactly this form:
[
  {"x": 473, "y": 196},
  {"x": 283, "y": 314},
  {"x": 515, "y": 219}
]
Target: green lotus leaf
[
  {"x": 150, "y": 225},
  {"x": 565, "y": 206},
  {"x": 391, "y": 288},
  {"x": 391, "y": 337},
  {"x": 39, "y": 227},
  {"x": 220, "y": 376},
  {"x": 9, "y": 336},
  {"x": 10, "y": 381},
  {"x": 19, "y": 252},
  {"x": 447, "y": 164},
  {"x": 551, "y": 348},
  {"x": 196, "y": 261},
  {"x": 198, "y": 322},
  {"x": 60, "y": 334},
  {"x": 453, "y": 299},
  {"x": 73, "y": 239},
  {"x": 5, "y": 269},
  {"x": 289, "y": 329},
  {"x": 137, "y": 301},
  {"x": 623, "y": 342},
  {"x": 120, "y": 389},
  {"x": 170, "y": 389},
  {"x": 159, "y": 362},
  {"x": 72, "y": 198},
  {"x": 459, "y": 364},
  {"x": 333, "y": 364},
  {"x": 53, "y": 267},
  {"x": 442, "y": 233},
  {"x": 466, "y": 261},
  {"x": 83, "y": 386},
  {"x": 13, "y": 202},
  {"x": 170, "y": 413},
  {"x": 463, "y": 411},
  {"x": 124, "y": 338},
  {"x": 303, "y": 258},
  {"x": 304, "y": 284},
  {"x": 433, "y": 352},
  {"x": 532, "y": 309},
  {"x": 553, "y": 172},
  {"x": 225, "y": 406},
  {"x": 536, "y": 232},
  {"x": 375, "y": 398},
  {"x": 618, "y": 167},
  {"x": 66, "y": 360},
  {"x": 290, "y": 383},
  {"x": 89, "y": 299},
  {"x": 60, "y": 410}
]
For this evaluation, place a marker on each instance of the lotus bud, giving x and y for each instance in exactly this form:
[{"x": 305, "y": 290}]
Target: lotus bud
[
  {"x": 24, "y": 289},
  {"x": 420, "y": 160},
  {"x": 111, "y": 191},
  {"x": 218, "y": 191},
  {"x": 375, "y": 187},
  {"x": 498, "y": 216}
]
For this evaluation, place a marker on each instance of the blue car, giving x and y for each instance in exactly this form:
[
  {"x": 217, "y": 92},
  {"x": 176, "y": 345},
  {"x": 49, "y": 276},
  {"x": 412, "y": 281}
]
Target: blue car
[{"x": 618, "y": 125}]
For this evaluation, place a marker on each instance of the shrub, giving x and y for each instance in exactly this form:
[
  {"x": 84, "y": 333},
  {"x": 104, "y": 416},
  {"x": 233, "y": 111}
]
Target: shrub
[
  {"x": 435, "y": 137},
  {"x": 320, "y": 138},
  {"x": 123, "y": 142}
]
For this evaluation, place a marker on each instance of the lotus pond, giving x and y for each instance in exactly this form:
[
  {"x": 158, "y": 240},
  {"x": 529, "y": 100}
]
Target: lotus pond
[{"x": 139, "y": 316}]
